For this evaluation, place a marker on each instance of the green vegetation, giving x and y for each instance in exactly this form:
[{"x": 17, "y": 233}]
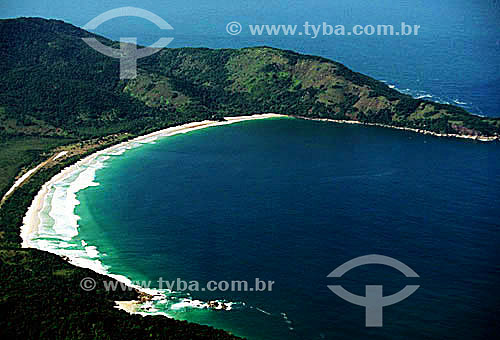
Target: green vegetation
[
  {"x": 41, "y": 298},
  {"x": 40, "y": 294},
  {"x": 56, "y": 90},
  {"x": 53, "y": 84},
  {"x": 23, "y": 152}
]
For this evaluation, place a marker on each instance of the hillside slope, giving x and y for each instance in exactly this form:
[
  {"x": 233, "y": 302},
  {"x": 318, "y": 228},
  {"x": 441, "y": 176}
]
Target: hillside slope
[{"x": 53, "y": 84}]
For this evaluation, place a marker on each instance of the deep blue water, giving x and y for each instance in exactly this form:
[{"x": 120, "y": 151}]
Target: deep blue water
[
  {"x": 289, "y": 201},
  {"x": 455, "y": 57}
]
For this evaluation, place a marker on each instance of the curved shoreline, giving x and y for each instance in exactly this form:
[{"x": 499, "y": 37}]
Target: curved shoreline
[
  {"x": 32, "y": 219},
  {"x": 420, "y": 131}
]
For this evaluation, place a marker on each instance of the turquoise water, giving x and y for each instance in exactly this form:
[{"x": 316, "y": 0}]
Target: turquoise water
[{"x": 290, "y": 200}]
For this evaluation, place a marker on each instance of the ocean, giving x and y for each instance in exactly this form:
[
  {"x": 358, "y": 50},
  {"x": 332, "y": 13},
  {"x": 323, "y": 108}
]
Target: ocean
[{"x": 288, "y": 200}]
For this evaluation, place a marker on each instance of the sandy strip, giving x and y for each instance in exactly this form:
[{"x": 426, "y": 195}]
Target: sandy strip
[
  {"x": 32, "y": 220},
  {"x": 60, "y": 154},
  {"x": 21, "y": 180},
  {"x": 128, "y": 306},
  {"x": 425, "y": 132},
  {"x": 28, "y": 174}
]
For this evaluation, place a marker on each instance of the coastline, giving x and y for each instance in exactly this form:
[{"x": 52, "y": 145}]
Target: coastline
[
  {"x": 32, "y": 219},
  {"x": 420, "y": 131},
  {"x": 28, "y": 174}
]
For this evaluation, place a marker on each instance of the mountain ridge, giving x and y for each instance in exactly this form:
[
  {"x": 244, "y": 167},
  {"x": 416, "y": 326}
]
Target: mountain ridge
[{"x": 86, "y": 98}]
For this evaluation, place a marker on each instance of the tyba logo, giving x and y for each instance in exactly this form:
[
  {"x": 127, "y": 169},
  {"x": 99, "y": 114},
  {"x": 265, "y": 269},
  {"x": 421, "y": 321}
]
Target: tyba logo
[
  {"x": 128, "y": 53},
  {"x": 373, "y": 301}
]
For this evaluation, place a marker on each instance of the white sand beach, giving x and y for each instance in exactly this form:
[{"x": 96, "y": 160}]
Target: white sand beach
[
  {"x": 32, "y": 220},
  {"x": 424, "y": 132}
]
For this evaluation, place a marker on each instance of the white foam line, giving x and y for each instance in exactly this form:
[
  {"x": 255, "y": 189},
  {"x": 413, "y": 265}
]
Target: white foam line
[
  {"x": 31, "y": 220},
  {"x": 58, "y": 197},
  {"x": 262, "y": 311}
]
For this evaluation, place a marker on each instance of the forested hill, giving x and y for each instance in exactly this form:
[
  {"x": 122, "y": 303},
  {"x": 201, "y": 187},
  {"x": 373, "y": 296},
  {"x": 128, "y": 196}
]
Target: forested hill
[{"x": 53, "y": 84}]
